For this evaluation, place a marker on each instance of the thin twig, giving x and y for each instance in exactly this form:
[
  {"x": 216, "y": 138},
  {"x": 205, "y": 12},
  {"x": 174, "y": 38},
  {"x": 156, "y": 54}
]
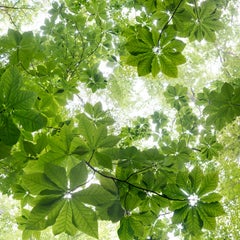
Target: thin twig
[
  {"x": 115, "y": 179},
  {"x": 169, "y": 20},
  {"x": 15, "y": 8}
]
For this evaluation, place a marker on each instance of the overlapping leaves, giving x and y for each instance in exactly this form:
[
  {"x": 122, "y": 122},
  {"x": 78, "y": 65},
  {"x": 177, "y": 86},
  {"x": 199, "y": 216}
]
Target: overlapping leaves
[
  {"x": 224, "y": 106},
  {"x": 200, "y": 22},
  {"x": 153, "y": 52},
  {"x": 196, "y": 204},
  {"x": 16, "y": 106},
  {"x": 60, "y": 200}
]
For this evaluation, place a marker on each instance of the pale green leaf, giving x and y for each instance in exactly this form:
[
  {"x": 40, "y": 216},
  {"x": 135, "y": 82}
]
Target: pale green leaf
[
  {"x": 78, "y": 175},
  {"x": 64, "y": 220},
  {"x": 84, "y": 218},
  {"x": 56, "y": 174},
  {"x": 94, "y": 195},
  {"x": 38, "y": 182}
]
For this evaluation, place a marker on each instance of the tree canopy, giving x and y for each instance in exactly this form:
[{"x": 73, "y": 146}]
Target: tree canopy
[{"x": 122, "y": 111}]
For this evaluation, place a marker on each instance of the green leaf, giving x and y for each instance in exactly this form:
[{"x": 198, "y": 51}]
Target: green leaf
[
  {"x": 213, "y": 209},
  {"x": 115, "y": 211},
  {"x": 168, "y": 67},
  {"x": 38, "y": 182},
  {"x": 174, "y": 192},
  {"x": 43, "y": 215},
  {"x": 78, "y": 175},
  {"x": 27, "y": 48},
  {"x": 208, "y": 222},
  {"x": 9, "y": 133},
  {"x": 196, "y": 176},
  {"x": 87, "y": 129},
  {"x": 22, "y": 100},
  {"x": 137, "y": 47},
  {"x": 94, "y": 195},
  {"x": 29, "y": 148},
  {"x": 125, "y": 231},
  {"x": 212, "y": 197},
  {"x": 156, "y": 67},
  {"x": 64, "y": 221},
  {"x": 178, "y": 204},
  {"x": 144, "y": 64},
  {"x": 14, "y": 38},
  {"x": 103, "y": 160},
  {"x": 182, "y": 180},
  {"x": 180, "y": 214},
  {"x": 30, "y": 120},
  {"x": 10, "y": 84},
  {"x": 193, "y": 222},
  {"x": 209, "y": 183},
  {"x": 108, "y": 141},
  {"x": 56, "y": 174},
  {"x": 5, "y": 149},
  {"x": 84, "y": 218}
]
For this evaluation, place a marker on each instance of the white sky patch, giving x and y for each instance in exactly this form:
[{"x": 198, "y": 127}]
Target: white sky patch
[
  {"x": 105, "y": 69},
  {"x": 171, "y": 236},
  {"x": 37, "y": 22},
  {"x": 214, "y": 66}
]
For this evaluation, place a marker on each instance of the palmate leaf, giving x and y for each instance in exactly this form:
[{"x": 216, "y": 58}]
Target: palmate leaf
[
  {"x": 223, "y": 106},
  {"x": 152, "y": 52},
  {"x": 210, "y": 147},
  {"x": 176, "y": 96}
]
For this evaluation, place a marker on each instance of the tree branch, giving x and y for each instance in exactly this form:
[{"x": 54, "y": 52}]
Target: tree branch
[
  {"x": 3, "y": 7},
  {"x": 115, "y": 179},
  {"x": 169, "y": 20}
]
